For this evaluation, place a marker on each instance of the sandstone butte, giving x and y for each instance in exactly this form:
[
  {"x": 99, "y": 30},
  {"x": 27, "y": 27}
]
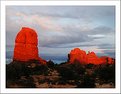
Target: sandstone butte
[
  {"x": 26, "y": 46},
  {"x": 91, "y": 58}
]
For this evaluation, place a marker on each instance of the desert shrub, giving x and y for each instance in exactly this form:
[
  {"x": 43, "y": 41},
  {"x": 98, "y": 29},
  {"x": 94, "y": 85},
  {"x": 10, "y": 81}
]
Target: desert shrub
[
  {"x": 39, "y": 70},
  {"x": 78, "y": 68},
  {"x": 89, "y": 66},
  {"x": 87, "y": 82},
  {"x": 71, "y": 71},
  {"x": 27, "y": 83},
  {"x": 14, "y": 70},
  {"x": 106, "y": 73},
  {"x": 50, "y": 64},
  {"x": 64, "y": 72},
  {"x": 62, "y": 82},
  {"x": 41, "y": 81},
  {"x": 67, "y": 73},
  {"x": 33, "y": 61}
]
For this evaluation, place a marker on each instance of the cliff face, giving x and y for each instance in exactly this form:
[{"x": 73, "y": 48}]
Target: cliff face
[
  {"x": 26, "y": 43},
  {"x": 90, "y": 58},
  {"x": 77, "y": 54}
]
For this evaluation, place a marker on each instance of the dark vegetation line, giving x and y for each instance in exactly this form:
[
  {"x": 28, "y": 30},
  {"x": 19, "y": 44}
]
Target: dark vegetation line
[{"x": 32, "y": 74}]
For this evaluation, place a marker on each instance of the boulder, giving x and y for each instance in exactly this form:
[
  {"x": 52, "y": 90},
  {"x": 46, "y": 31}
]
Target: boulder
[{"x": 26, "y": 46}]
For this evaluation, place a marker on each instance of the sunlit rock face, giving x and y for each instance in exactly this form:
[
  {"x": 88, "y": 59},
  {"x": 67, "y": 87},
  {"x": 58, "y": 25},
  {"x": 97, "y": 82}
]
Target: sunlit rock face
[
  {"x": 92, "y": 58},
  {"x": 107, "y": 59},
  {"x": 77, "y": 55},
  {"x": 26, "y": 43}
]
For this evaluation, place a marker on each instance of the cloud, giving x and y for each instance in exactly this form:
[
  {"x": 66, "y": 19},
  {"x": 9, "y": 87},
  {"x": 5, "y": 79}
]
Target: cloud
[
  {"x": 110, "y": 53},
  {"x": 102, "y": 30},
  {"x": 76, "y": 35},
  {"x": 69, "y": 11},
  {"x": 107, "y": 46},
  {"x": 65, "y": 27},
  {"x": 60, "y": 40},
  {"x": 44, "y": 22}
]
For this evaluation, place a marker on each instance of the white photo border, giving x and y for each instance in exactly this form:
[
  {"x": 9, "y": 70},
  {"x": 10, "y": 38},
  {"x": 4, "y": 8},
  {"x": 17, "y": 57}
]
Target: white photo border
[{"x": 59, "y": 3}]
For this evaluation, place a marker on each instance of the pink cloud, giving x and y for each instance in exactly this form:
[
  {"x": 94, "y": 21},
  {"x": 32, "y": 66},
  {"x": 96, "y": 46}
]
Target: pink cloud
[{"x": 46, "y": 23}]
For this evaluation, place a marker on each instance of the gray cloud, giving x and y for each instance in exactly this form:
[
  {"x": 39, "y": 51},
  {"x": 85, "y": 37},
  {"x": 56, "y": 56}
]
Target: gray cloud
[
  {"x": 102, "y": 30},
  {"x": 68, "y": 11},
  {"x": 64, "y": 27},
  {"x": 68, "y": 38},
  {"x": 110, "y": 53},
  {"x": 76, "y": 36},
  {"x": 107, "y": 46}
]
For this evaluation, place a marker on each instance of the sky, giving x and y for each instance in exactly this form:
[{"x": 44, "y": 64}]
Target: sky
[{"x": 63, "y": 28}]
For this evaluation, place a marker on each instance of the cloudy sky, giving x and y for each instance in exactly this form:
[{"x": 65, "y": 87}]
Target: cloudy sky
[{"x": 62, "y": 28}]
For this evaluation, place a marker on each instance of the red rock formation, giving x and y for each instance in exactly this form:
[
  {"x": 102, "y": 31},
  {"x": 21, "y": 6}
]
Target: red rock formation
[
  {"x": 77, "y": 55},
  {"x": 106, "y": 59},
  {"x": 90, "y": 58},
  {"x": 26, "y": 46}
]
